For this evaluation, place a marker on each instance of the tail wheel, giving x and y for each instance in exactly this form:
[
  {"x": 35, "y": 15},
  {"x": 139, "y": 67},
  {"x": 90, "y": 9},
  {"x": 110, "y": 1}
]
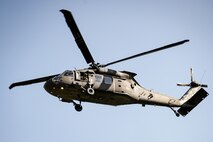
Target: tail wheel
[{"x": 90, "y": 91}]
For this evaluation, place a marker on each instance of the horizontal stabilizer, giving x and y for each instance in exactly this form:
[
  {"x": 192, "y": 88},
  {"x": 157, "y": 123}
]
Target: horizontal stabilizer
[{"x": 192, "y": 98}]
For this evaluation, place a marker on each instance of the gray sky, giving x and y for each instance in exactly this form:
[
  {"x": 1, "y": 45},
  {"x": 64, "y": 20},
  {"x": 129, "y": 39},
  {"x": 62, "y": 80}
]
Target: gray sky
[{"x": 35, "y": 41}]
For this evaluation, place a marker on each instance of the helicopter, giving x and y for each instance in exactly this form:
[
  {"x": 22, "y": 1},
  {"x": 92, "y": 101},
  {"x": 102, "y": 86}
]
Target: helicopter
[{"x": 102, "y": 85}]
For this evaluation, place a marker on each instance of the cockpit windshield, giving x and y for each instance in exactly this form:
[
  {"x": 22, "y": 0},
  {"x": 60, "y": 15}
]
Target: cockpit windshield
[{"x": 68, "y": 73}]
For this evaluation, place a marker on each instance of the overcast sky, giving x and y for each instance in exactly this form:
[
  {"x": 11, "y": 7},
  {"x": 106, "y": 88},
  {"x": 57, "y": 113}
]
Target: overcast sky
[{"x": 35, "y": 41}]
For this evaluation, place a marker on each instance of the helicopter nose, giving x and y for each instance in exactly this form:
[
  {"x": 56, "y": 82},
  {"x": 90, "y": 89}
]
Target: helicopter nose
[
  {"x": 54, "y": 87},
  {"x": 51, "y": 87},
  {"x": 48, "y": 86}
]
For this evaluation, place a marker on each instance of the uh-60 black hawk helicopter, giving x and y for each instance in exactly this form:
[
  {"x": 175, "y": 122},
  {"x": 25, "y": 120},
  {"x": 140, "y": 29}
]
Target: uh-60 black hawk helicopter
[{"x": 98, "y": 84}]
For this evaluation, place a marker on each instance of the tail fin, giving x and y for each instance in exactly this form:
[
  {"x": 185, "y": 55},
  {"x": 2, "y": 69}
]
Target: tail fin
[{"x": 191, "y": 99}]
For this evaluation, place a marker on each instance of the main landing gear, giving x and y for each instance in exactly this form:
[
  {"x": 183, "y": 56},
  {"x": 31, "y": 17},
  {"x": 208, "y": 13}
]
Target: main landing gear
[{"x": 78, "y": 107}]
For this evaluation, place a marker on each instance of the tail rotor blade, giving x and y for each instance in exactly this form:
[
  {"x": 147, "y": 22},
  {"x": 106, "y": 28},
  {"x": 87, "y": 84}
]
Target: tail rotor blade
[
  {"x": 204, "y": 85},
  {"x": 191, "y": 75},
  {"x": 181, "y": 84}
]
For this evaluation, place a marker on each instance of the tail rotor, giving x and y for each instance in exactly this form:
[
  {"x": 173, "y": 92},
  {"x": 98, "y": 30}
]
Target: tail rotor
[{"x": 193, "y": 82}]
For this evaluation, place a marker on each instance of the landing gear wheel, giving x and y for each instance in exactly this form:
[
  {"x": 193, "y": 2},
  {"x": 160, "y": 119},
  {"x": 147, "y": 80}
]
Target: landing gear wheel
[
  {"x": 78, "y": 107},
  {"x": 90, "y": 91},
  {"x": 176, "y": 113}
]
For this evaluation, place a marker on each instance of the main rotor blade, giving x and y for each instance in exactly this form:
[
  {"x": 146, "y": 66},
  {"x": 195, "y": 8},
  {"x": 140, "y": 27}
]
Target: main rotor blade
[
  {"x": 147, "y": 52},
  {"x": 77, "y": 35},
  {"x": 32, "y": 81}
]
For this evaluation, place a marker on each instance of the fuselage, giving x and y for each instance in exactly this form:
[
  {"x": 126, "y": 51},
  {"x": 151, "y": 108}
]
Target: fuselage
[{"x": 104, "y": 86}]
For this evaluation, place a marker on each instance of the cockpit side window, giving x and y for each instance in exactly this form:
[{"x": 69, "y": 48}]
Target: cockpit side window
[{"x": 77, "y": 75}]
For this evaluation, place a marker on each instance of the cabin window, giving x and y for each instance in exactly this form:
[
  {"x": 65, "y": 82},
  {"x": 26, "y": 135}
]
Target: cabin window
[
  {"x": 84, "y": 76},
  {"x": 98, "y": 78},
  {"x": 107, "y": 80}
]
